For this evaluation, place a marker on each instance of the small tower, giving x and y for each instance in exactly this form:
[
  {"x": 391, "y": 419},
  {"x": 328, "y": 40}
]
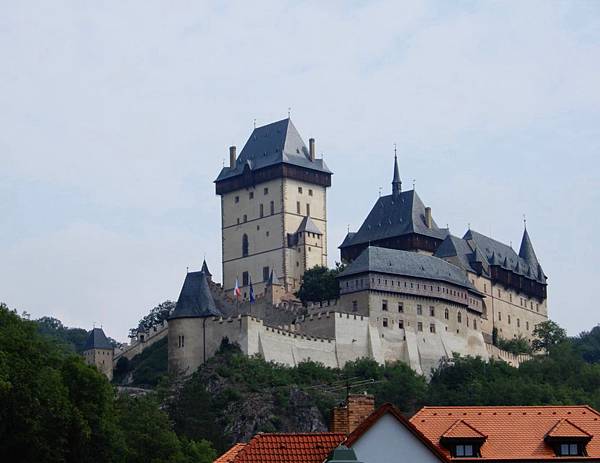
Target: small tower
[
  {"x": 98, "y": 351},
  {"x": 188, "y": 334},
  {"x": 396, "y": 182}
]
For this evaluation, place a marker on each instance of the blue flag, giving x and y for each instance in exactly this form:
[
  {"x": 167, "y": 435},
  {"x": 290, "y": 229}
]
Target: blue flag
[{"x": 252, "y": 299}]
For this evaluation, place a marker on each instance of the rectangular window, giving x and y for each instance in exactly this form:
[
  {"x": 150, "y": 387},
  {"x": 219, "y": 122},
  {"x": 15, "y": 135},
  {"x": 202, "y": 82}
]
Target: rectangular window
[
  {"x": 298, "y": 207},
  {"x": 499, "y": 316},
  {"x": 432, "y": 311},
  {"x": 419, "y": 326},
  {"x": 419, "y": 309},
  {"x": 510, "y": 297},
  {"x": 401, "y": 307},
  {"x": 310, "y": 192},
  {"x": 251, "y": 195},
  {"x": 180, "y": 341},
  {"x": 245, "y": 279},
  {"x": 237, "y": 199},
  {"x": 474, "y": 323},
  {"x": 266, "y": 273},
  {"x": 307, "y": 209},
  {"x": 499, "y": 294},
  {"x": 465, "y": 450},
  {"x": 527, "y": 326},
  {"x": 272, "y": 207},
  {"x": 354, "y": 306},
  {"x": 300, "y": 189},
  {"x": 384, "y": 305},
  {"x": 385, "y": 322},
  {"x": 518, "y": 323},
  {"x": 266, "y": 191},
  {"x": 509, "y": 319},
  {"x": 401, "y": 324},
  {"x": 432, "y": 328},
  {"x": 262, "y": 210}
]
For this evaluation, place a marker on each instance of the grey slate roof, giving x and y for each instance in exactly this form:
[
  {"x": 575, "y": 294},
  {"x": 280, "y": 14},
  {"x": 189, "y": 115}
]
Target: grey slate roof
[
  {"x": 278, "y": 142},
  {"x": 308, "y": 225},
  {"x": 204, "y": 269},
  {"x": 526, "y": 251},
  {"x": 97, "y": 340},
  {"x": 406, "y": 263},
  {"x": 395, "y": 215},
  {"x": 475, "y": 247},
  {"x": 195, "y": 299}
]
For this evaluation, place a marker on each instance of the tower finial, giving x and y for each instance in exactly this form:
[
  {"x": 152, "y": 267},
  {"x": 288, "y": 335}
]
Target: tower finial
[
  {"x": 525, "y": 222},
  {"x": 289, "y": 112},
  {"x": 396, "y": 182},
  {"x": 254, "y": 122}
]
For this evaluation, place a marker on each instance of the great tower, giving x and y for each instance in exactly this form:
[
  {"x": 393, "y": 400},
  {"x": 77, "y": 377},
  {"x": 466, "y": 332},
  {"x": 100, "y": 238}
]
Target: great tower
[{"x": 273, "y": 209}]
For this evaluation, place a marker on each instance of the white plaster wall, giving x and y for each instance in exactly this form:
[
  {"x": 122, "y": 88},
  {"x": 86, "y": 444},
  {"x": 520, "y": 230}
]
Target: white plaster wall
[{"x": 388, "y": 441}]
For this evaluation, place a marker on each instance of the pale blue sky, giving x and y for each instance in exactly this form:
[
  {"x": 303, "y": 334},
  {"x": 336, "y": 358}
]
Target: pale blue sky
[{"x": 116, "y": 118}]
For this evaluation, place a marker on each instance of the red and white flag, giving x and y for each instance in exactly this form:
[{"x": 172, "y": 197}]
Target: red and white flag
[{"x": 236, "y": 291}]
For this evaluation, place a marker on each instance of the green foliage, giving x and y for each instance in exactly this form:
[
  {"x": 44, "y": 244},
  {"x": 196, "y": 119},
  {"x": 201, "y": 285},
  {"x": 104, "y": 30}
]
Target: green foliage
[
  {"x": 156, "y": 316},
  {"x": 68, "y": 339},
  {"x": 518, "y": 345},
  {"x": 549, "y": 335},
  {"x": 151, "y": 365},
  {"x": 588, "y": 345},
  {"x": 55, "y": 408},
  {"x": 319, "y": 284}
]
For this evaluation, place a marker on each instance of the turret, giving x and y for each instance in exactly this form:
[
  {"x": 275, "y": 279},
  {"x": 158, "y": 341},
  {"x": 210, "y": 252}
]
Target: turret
[
  {"x": 98, "y": 351},
  {"x": 527, "y": 253},
  {"x": 396, "y": 182}
]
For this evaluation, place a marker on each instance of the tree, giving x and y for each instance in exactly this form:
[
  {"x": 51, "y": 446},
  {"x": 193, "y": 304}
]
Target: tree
[
  {"x": 518, "y": 345},
  {"x": 320, "y": 284},
  {"x": 155, "y": 317},
  {"x": 588, "y": 345},
  {"x": 548, "y": 335}
]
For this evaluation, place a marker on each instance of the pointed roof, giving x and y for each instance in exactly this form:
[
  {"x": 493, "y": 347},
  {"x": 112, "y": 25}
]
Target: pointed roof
[
  {"x": 275, "y": 143},
  {"x": 395, "y": 215},
  {"x": 462, "y": 430},
  {"x": 195, "y": 299},
  {"x": 308, "y": 225},
  {"x": 566, "y": 429},
  {"x": 97, "y": 340},
  {"x": 396, "y": 182},
  {"x": 526, "y": 251},
  {"x": 205, "y": 269},
  {"x": 273, "y": 279}
]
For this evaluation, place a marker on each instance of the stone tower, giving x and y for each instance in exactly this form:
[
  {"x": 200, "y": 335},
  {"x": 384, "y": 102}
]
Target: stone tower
[
  {"x": 188, "y": 342},
  {"x": 98, "y": 351},
  {"x": 273, "y": 209}
]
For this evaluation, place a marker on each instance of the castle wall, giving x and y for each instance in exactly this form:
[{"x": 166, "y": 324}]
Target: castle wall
[
  {"x": 186, "y": 357},
  {"x": 137, "y": 346},
  {"x": 102, "y": 359}
]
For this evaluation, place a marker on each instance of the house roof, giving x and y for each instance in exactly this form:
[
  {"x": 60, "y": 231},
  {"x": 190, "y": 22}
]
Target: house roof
[
  {"x": 97, "y": 340},
  {"x": 513, "y": 433},
  {"x": 395, "y": 215},
  {"x": 460, "y": 429},
  {"x": 204, "y": 269},
  {"x": 309, "y": 225},
  {"x": 195, "y": 299},
  {"x": 374, "y": 417},
  {"x": 275, "y": 143},
  {"x": 565, "y": 428},
  {"x": 406, "y": 263},
  {"x": 286, "y": 448},
  {"x": 231, "y": 454}
]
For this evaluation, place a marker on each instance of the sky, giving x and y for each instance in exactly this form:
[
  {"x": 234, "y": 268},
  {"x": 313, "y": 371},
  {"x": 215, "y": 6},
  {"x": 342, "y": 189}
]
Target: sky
[{"x": 117, "y": 116}]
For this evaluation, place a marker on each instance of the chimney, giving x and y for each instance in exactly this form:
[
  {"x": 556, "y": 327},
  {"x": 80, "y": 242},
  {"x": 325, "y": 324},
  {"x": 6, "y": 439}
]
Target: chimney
[
  {"x": 232, "y": 156},
  {"x": 428, "y": 217},
  {"x": 311, "y": 148},
  {"x": 345, "y": 418}
]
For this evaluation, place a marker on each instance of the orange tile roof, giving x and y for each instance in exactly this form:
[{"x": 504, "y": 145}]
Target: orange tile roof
[
  {"x": 229, "y": 456},
  {"x": 564, "y": 428},
  {"x": 513, "y": 433},
  {"x": 288, "y": 448},
  {"x": 462, "y": 429}
]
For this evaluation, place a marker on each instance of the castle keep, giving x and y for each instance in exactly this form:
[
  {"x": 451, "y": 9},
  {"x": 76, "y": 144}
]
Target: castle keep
[{"x": 411, "y": 291}]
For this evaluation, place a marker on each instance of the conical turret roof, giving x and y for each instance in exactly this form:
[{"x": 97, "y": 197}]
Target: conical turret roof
[
  {"x": 97, "y": 340},
  {"x": 526, "y": 251},
  {"x": 195, "y": 299},
  {"x": 396, "y": 182},
  {"x": 205, "y": 269}
]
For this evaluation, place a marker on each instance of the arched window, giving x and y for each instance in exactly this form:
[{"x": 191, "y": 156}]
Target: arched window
[
  {"x": 446, "y": 314},
  {"x": 244, "y": 245},
  {"x": 459, "y": 317}
]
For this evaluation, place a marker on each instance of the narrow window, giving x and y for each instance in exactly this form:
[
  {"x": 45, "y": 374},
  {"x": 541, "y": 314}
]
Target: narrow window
[
  {"x": 527, "y": 326},
  {"x": 509, "y": 319},
  {"x": 262, "y": 210},
  {"x": 499, "y": 316},
  {"x": 236, "y": 199},
  {"x": 251, "y": 195},
  {"x": 459, "y": 317},
  {"x": 419, "y": 326},
  {"x": 245, "y": 218},
  {"x": 401, "y": 324},
  {"x": 432, "y": 311},
  {"x": 474, "y": 323},
  {"x": 384, "y": 305},
  {"x": 419, "y": 309},
  {"x": 272, "y": 207},
  {"x": 401, "y": 307},
  {"x": 298, "y": 207},
  {"x": 244, "y": 245},
  {"x": 310, "y": 192},
  {"x": 499, "y": 294},
  {"x": 300, "y": 189},
  {"x": 432, "y": 328},
  {"x": 518, "y": 323},
  {"x": 385, "y": 322},
  {"x": 354, "y": 306},
  {"x": 245, "y": 279},
  {"x": 266, "y": 191},
  {"x": 307, "y": 209},
  {"x": 266, "y": 272},
  {"x": 446, "y": 314}
]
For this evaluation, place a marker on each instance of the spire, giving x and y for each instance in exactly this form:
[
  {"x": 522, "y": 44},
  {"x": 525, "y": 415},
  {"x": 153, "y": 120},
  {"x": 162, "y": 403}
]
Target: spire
[
  {"x": 195, "y": 299},
  {"x": 396, "y": 182},
  {"x": 526, "y": 251},
  {"x": 205, "y": 269}
]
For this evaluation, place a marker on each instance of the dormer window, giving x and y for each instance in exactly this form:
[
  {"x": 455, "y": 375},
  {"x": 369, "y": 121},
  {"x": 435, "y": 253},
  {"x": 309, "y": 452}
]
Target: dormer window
[
  {"x": 464, "y": 450},
  {"x": 463, "y": 440},
  {"x": 568, "y": 449},
  {"x": 567, "y": 439}
]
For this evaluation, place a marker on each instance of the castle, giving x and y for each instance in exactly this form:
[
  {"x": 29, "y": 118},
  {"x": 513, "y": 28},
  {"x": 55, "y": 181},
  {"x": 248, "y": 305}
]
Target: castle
[{"x": 410, "y": 291}]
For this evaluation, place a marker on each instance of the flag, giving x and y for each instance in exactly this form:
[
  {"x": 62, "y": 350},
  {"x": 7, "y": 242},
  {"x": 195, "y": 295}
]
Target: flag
[
  {"x": 236, "y": 291},
  {"x": 252, "y": 299}
]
